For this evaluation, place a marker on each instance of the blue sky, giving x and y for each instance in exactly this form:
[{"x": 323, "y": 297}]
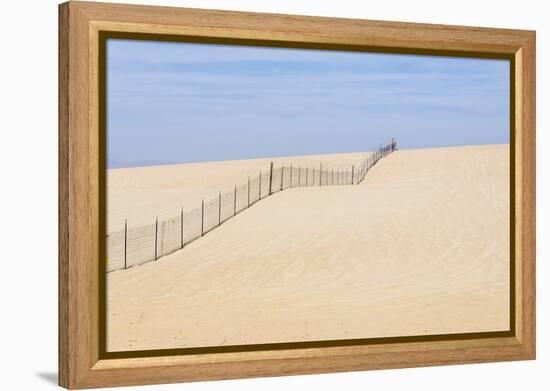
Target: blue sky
[{"x": 181, "y": 102}]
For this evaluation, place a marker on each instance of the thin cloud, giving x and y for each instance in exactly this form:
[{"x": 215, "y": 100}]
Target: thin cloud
[{"x": 179, "y": 92}]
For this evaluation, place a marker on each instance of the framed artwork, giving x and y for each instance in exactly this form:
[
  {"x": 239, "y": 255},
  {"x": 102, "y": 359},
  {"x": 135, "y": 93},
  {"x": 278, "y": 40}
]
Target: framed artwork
[{"x": 248, "y": 194}]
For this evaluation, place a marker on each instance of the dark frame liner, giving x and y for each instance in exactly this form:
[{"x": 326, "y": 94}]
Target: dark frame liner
[{"x": 102, "y": 278}]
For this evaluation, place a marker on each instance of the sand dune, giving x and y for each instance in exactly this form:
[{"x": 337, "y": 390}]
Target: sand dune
[
  {"x": 143, "y": 193},
  {"x": 420, "y": 247}
]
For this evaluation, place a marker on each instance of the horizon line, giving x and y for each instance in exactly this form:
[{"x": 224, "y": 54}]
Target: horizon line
[{"x": 172, "y": 163}]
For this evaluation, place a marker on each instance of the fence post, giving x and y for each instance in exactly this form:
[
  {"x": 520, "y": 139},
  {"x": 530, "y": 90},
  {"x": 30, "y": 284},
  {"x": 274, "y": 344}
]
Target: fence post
[
  {"x": 248, "y": 206},
  {"x": 125, "y": 241},
  {"x": 282, "y": 175},
  {"x": 202, "y": 218},
  {"x": 235, "y": 201},
  {"x": 307, "y": 171},
  {"x": 220, "y": 208},
  {"x": 352, "y": 173},
  {"x": 260, "y": 186},
  {"x": 299, "y": 176},
  {"x": 181, "y": 228},
  {"x": 320, "y": 172},
  {"x": 156, "y": 236},
  {"x": 270, "y": 177}
]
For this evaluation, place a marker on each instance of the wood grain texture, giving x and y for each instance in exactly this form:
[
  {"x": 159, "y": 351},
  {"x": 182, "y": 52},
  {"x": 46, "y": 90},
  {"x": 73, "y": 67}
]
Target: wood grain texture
[
  {"x": 80, "y": 365},
  {"x": 63, "y": 221},
  {"x": 528, "y": 198}
]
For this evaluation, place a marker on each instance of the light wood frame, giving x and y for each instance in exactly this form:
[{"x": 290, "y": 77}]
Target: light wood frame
[{"x": 81, "y": 364}]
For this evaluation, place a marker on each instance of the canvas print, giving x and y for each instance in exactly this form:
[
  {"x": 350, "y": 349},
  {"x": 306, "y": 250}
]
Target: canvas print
[{"x": 262, "y": 195}]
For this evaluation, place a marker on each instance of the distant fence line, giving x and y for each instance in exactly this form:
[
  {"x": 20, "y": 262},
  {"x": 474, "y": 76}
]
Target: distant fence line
[{"x": 134, "y": 246}]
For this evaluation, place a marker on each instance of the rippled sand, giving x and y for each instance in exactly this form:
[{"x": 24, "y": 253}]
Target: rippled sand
[{"x": 420, "y": 247}]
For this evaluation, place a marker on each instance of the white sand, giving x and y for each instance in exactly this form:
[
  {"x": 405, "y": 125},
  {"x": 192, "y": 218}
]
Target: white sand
[{"x": 420, "y": 247}]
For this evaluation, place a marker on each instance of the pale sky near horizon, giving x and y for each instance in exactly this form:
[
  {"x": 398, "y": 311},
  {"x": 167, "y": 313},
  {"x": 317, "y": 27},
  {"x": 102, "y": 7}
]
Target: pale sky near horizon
[{"x": 181, "y": 102}]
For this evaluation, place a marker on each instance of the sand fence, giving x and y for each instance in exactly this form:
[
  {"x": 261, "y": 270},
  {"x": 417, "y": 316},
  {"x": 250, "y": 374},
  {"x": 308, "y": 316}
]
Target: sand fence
[{"x": 133, "y": 246}]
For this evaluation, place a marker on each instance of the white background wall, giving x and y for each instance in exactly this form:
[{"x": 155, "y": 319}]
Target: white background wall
[{"x": 28, "y": 193}]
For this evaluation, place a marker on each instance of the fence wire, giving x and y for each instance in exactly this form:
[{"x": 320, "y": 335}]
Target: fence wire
[
  {"x": 211, "y": 216},
  {"x": 192, "y": 225},
  {"x": 169, "y": 236},
  {"x": 141, "y": 246},
  {"x": 134, "y": 246}
]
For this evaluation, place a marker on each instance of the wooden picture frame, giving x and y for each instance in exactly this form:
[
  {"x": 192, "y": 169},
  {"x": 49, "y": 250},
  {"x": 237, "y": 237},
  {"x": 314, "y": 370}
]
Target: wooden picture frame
[{"x": 83, "y": 362}]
